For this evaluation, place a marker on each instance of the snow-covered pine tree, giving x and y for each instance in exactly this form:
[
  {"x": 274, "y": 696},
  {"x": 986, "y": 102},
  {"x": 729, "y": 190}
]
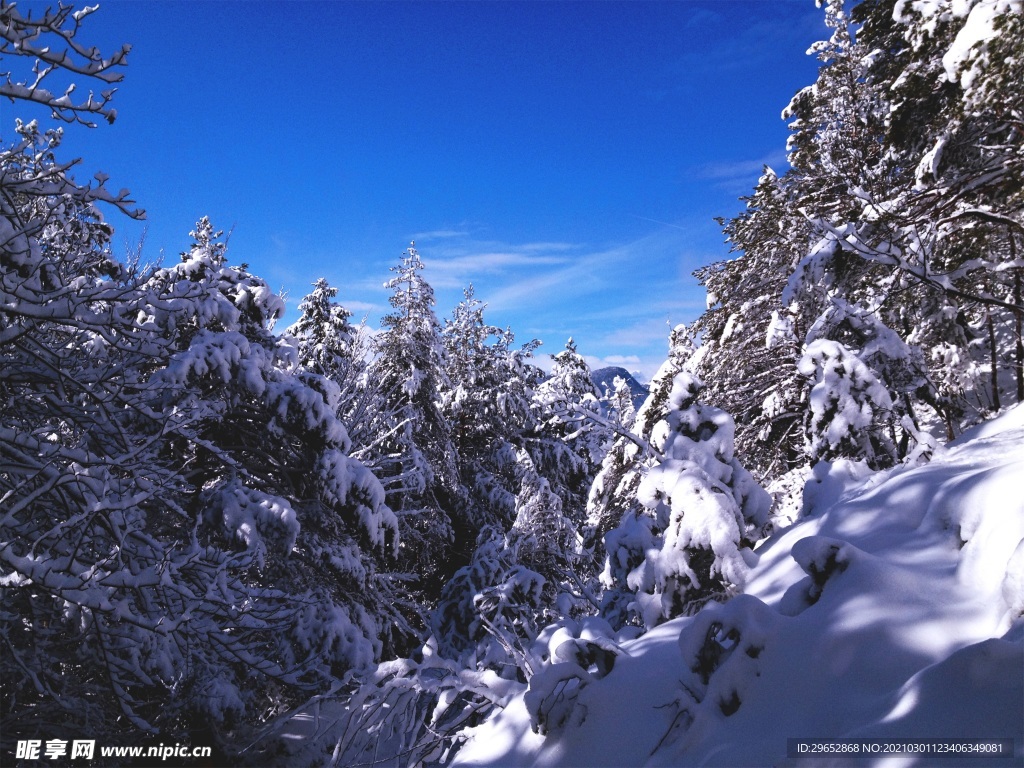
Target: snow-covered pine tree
[
  {"x": 151, "y": 430},
  {"x": 333, "y": 357},
  {"x": 955, "y": 75},
  {"x": 846, "y": 401},
  {"x": 921, "y": 232},
  {"x": 486, "y": 400},
  {"x": 700, "y": 510},
  {"x": 759, "y": 312},
  {"x": 837, "y": 124},
  {"x": 421, "y": 473},
  {"x": 174, "y": 448},
  {"x": 268, "y": 459},
  {"x": 618, "y": 403},
  {"x": 749, "y": 345},
  {"x": 487, "y": 614},
  {"x": 613, "y": 491},
  {"x": 549, "y": 543},
  {"x": 852, "y": 222},
  {"x": 572, "y": 435},
  {"x": 493, "y": 610},
  {"x": 528, "y": 569},
  {"x": 324, "y": 334},
  {"x": 682, "y": 355},
  {"x": 840, "y": 163},
  {"x": 329, "y": 346}
]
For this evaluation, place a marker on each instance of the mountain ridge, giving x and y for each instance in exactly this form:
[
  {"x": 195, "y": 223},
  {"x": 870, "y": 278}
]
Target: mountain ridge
[{"x": 604, "y": 380}]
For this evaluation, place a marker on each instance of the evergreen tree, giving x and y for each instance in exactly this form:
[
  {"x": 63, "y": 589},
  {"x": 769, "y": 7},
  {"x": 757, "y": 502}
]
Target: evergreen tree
[
  {"x": 331, "y": 348},
  {"x": 268, "y": 461},
  {"x": 197, "y": 501},
  {"x": 325, "y": 337},
  {"x": 749, "y": 342},
  {"x": 528, "y": 568},
  {"x": 700, "y": 508},
  {"x": 420, "y": 471},
  {"x": 178, "y": 505},
  {"x": 493, "y": 610},
  {"x": 613, "y": 493},
  {"x": 571, "y": 436},
  {"x": 487, "y": 403},
  {"x": 844, "y": 403},
  {"x": 618, "y": 402},
  {"x": 898, "y": 228},
  {"x": 924, "y": 239}
]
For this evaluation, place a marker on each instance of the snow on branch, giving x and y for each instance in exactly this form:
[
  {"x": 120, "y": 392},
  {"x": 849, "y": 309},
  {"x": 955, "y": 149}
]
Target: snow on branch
[{"x": 50, "y": 41}]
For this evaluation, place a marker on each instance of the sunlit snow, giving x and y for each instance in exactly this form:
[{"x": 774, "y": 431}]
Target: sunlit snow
[{"x": 888, "y": 610}]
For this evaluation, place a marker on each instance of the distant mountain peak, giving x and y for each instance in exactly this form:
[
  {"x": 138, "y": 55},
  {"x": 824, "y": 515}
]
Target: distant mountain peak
[{"x": 604, "y": 379}]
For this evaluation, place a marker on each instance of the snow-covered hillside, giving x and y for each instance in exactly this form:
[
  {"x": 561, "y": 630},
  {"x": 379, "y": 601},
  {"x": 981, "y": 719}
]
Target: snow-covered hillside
[{"x": 891, "y": 609}]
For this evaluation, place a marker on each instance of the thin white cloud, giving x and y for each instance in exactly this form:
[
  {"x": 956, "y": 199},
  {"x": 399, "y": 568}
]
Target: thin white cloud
[
  {"x": 746, "y": 48},
  {"x": 458, "y": 263},
  {"x": 439, "y": 234},
  {"x": 616, "y": 301},
  {"x": 496, "y": 261},
  {"x": 357, "y": 307},
  {"x": 542, "y": 288},
  {"x": 622, "y": 360},
  {"x": 629, "y": 362},
  {"x": 475, "y": 268},
  {"x": 617, "y": 270},
  {"x": 657, "y": 221},
  {"x": 543, "y": 247}
]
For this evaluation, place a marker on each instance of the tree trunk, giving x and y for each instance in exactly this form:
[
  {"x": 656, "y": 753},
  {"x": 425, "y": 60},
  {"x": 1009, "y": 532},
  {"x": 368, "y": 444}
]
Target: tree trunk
[
  {"x": 994, "y": 357},
  {"x": 1019, "y": 327},
  {"x": 1018, "y": 320}
]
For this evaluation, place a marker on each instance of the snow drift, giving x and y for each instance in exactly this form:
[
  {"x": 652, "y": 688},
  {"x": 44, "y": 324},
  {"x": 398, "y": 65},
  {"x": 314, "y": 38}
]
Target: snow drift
[{"x": 891, "y": 609}]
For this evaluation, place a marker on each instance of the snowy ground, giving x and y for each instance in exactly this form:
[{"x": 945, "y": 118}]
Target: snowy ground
[{"x": 887, "y": 611}]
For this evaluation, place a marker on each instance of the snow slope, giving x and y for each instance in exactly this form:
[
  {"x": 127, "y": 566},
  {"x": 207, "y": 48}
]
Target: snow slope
[{"x": 892, "y": 608}]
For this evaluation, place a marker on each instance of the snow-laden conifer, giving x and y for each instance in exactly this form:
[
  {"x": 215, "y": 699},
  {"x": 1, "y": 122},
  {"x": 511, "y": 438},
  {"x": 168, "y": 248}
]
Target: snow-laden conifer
[
  {"x": 749, "y": 340},
  {"x": 613, "y": 494},
  {"x": 699, "y": 509},
  {"x": 571, "y": 434},
  {"x": 152, "y": 430},
  {"x": 487, "y": 402},
  {"x": 419, "y": 466}
]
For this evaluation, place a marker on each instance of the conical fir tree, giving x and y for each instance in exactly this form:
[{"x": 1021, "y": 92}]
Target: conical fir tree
[{"x": 422, "y": 482}]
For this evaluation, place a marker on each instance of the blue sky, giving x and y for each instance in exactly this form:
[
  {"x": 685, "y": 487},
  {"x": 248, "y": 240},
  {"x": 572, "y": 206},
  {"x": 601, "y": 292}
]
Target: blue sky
[{"x": 566, "y": 158}]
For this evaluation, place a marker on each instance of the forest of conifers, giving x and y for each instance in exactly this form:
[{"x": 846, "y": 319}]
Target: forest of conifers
[{"x": 207, "y": 521}]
